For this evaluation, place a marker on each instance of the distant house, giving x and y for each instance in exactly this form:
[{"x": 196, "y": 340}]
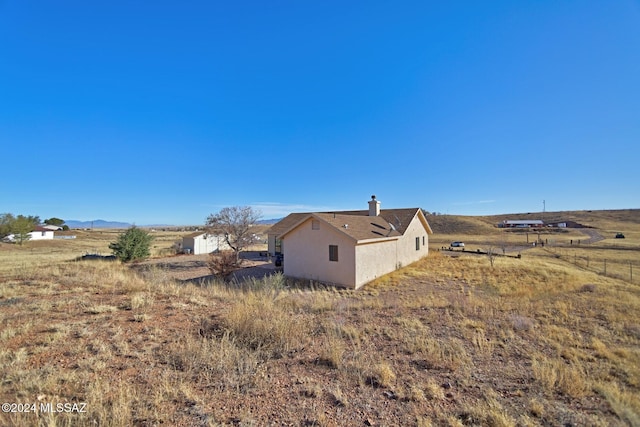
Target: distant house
[
  {"x": 38, "y": 233},
  {"x": 350, "y": 248},
  {"x": 201, "y": 242},
  {"x": 52, "y": 227},
  {"x": 521, "y": 223},
  {"x": 41, "y": 233}
]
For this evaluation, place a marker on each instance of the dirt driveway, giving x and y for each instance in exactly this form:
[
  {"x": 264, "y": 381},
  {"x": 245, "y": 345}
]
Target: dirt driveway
[{"x": 193, "y": 268}]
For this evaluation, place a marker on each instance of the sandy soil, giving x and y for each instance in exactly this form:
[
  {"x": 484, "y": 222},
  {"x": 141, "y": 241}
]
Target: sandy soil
[{"x": 194, "y": 268}]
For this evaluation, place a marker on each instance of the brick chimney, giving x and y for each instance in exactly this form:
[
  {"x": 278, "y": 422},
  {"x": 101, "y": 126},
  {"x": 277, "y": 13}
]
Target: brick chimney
[{"x": 374, "y": 206}]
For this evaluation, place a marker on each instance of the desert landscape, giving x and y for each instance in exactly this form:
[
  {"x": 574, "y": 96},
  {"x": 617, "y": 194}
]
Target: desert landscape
[{"x": 461, "y": 338}]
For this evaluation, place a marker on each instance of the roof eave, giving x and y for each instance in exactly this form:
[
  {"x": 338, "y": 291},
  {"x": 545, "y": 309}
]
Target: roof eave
[
  {"x": 376, "y": 240},
  {"x": 296, "y": 224},
  {"x": 423, "y": 220}
]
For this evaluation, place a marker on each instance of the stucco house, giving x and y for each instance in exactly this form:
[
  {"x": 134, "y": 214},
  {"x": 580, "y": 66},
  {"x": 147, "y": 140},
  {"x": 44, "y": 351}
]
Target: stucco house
[
  {"x": 201, "y": 242},
  {"x": 350, "y": 248},
  {"x": 41, "y": 233},
  {"x": 38, "y": 233}
]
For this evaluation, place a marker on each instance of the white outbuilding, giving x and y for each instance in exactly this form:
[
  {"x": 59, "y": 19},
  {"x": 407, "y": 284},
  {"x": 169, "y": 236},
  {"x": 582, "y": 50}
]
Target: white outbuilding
[
  {"x": 201, "y": 242},
  {"x": 39, "y": 233}
]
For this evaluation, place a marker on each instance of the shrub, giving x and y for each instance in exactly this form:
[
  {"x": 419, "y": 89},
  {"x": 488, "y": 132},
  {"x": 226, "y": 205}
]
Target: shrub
[
  {"x": 589, "y": 287},
  {"x": 223, "y": 263},
  {"x": 134, "y": 244},
  {"x": 258, "y": 321},
  {"x": 382, "y": 375}
]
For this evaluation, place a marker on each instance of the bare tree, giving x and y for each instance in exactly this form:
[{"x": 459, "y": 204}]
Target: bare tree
[{"x": 234, "y": 223}]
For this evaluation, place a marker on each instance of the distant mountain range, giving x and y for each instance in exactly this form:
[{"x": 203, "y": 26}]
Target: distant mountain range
[{"x": 98, "y": 223}]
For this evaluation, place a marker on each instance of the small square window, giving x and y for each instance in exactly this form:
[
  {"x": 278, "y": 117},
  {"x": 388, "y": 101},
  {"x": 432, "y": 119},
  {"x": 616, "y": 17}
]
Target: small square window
[{"x": 333, "y": 253}]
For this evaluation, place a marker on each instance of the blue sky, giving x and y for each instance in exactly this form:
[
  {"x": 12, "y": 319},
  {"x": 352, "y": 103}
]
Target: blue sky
[{"x": 165, "y": 112}]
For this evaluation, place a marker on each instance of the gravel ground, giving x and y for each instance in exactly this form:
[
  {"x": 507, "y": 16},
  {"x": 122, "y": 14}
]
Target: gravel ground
[{"x": 194, "y": 267}]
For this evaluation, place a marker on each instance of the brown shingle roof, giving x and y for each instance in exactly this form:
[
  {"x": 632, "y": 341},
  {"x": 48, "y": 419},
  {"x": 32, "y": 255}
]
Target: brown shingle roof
[
  {"x": 285, "y": 223},
  {"x": 359, "y": 225}
]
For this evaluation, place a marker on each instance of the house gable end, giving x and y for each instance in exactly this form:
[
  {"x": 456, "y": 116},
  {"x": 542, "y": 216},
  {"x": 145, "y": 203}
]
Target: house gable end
[
  {"x": 286, "y": 223},
  {"x": 319, "y": 218},
  {"x": 423, "y": 220}
]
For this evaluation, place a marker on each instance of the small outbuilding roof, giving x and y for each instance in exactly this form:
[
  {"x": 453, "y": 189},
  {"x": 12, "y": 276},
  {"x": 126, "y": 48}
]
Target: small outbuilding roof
[{"x": 195, "y": 234}]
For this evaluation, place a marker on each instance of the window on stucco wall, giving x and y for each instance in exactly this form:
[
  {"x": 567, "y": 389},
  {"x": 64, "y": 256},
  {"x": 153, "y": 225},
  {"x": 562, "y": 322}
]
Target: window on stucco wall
[
  {"x": 315, "y": 224},
  {"x": 417, "y": 243},
  {"x": 333, "y": 253}
]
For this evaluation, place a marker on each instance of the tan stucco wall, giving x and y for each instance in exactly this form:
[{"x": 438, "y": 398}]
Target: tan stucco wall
[
  {"x": 380, "y": 258},
  {"x": 374, "y": 260},
  {"x": 407, "y": 252},
  {"x": 271, "y": 244},
  {"x": 306, "y": 255}
]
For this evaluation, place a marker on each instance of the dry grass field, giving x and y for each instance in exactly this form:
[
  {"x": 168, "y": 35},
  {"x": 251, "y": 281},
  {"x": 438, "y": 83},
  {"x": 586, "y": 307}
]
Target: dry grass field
[{"x": 451, "y": 340}]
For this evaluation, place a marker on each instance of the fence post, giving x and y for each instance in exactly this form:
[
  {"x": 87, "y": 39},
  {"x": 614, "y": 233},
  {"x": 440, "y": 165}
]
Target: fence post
[
  {"x": 630, "y": 271},
  {"x": 605, "y": 267}
]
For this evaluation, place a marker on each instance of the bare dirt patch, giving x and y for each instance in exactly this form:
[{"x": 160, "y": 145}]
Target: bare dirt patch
[{"x": 194, "y": 268}]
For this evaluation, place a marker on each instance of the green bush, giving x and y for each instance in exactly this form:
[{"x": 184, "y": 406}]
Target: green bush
[{"x": 132, "y": 245}]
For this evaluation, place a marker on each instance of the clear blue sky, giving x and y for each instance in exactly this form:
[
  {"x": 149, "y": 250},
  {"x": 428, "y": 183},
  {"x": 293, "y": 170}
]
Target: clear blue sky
[{"x": 164, "y": 112}]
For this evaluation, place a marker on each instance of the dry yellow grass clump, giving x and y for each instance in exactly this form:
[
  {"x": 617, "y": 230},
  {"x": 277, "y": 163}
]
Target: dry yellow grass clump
[{"x": 450, "y": 340}]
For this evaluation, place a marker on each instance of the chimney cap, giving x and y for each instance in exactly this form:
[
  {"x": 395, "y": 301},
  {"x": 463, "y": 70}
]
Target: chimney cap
[{"x": 373, "y": 197}]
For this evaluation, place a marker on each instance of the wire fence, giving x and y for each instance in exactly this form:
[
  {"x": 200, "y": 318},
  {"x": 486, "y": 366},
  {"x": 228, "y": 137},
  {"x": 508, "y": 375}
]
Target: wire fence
[{"x": 620, "y": 269}]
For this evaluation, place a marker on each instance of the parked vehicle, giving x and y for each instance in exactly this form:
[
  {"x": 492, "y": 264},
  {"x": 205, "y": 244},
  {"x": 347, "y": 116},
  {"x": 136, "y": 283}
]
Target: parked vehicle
[
  {"x": 457, "y": 245},
  {"x": 619, "y": 236}
]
